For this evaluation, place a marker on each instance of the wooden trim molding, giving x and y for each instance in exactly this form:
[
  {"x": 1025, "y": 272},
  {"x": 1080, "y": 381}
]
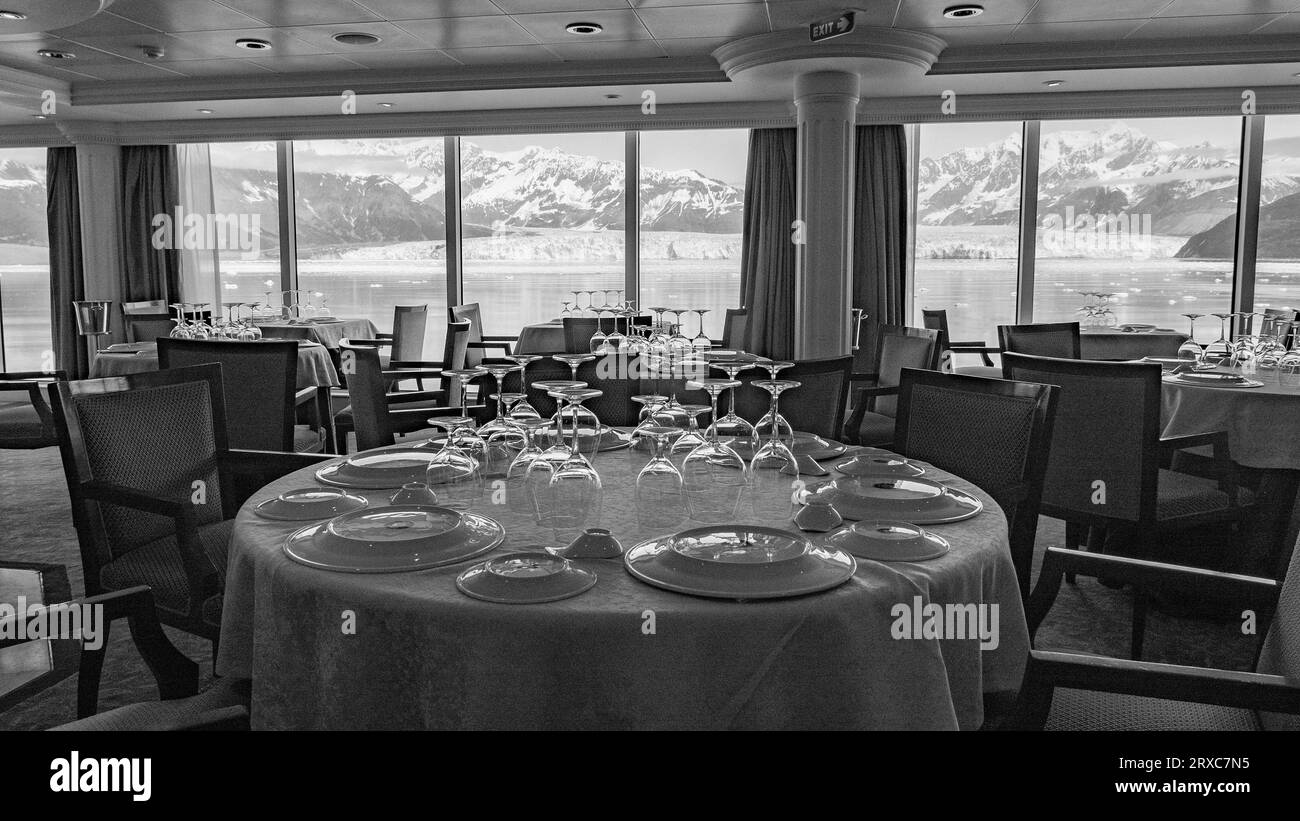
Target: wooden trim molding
[{"x": 1146, "y": 53}]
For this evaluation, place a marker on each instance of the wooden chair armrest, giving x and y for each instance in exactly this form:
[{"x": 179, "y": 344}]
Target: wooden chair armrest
[
  {"x": 1252, "y": 591},
  {"x": 1218, "y": 441},
  {"x": 1201, "y": 685},
  {"x": 100, "y": 491},
  {"x": 304, "y": 395},
  {"x": 429, "y": 364},
  {"x": 499, "y": 338},
  {"x": 403, "y": 374},
  {"x": 400, "y": 397},
  {"x": 864, "y": 377},
  {"x": 370, "y": 343}
]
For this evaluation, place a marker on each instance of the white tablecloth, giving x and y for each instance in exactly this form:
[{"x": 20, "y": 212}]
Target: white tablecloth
[
  {"x": 315, "y": 369},
  {"x": 426, "y": 656},
  {"x": 1263, "y": 424}
]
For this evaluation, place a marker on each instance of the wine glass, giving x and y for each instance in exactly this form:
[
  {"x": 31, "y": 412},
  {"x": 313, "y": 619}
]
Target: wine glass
[
  {"x": 659, "y": 484},
  {"x": 715, "y": 478},
  {"x": 1190, "y": 349},
  {"x": 775, "y": 456},
  {"x": 773, "y": 423},
  {"x": 517, "y": 496},
  {"x": 575, "y": 487},
  {"x": 677, "y": 339},
  {"x": 182, "y": 329},
  {"x": 501, "y": 424},
  {"x": 651, "y": 404},
  {"x": 616, "y": 341},
  {"x": 591, "y": 301},
  {"x": 597, "y": 343},
  {"x": 453, "y": 473},
  {"x": 573, "y": 360},
  {"x": 733, "y": 426},
  {"x": 522, "y": 409},
  {"x": 464, "y": 375},
  {"x": 692, "y": 437},
  {"x": 568, "y": 308},
  {"x": 1220, "y": 348},
  {"x": 701, "y": 342}
]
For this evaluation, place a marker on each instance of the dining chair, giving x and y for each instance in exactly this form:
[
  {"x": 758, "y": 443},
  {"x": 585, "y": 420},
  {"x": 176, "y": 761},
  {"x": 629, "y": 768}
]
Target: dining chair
[
  {"x": 1287, "y": 315},
  {"x": 817, "y": 406},
  {"x": 146, "y": 321},
  {"x": 1057, "y": 339},
  {"x": 26, "y": 421},
  {"x": 992, "y": 432},
  {"x": 406, "y": 342},
  {"x": 578, "y": 331},
  {"x": 734, "y": 327},
  {"x": 479, "y": 341},
  {"x": 871, "y": 421},
  {"x": 936, "y": 319},
  {"x": 374, "y": 414},
  {"x": 1104, "y": 470},
  {"x": 1069, "y": 691},
  {"x": 223, "y": 706},
  {"x": 155, "y": 487},
  {"x": 617, "y": 377},
  {"x": 260, "y": 387}
]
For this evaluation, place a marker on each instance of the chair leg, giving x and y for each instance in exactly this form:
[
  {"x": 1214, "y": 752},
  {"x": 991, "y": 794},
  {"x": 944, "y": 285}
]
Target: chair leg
[{"x": 88, "y": 675}]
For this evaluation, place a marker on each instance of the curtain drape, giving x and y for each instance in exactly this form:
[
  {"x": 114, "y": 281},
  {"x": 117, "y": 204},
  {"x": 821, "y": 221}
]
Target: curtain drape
[
  {"x": 67, "y": 280},
  {"x": 198, "y": 265},
  {"x": 767, "y": 256},
  {"x": 879, "y": 230},
  {"x": 149, "y": 188}
]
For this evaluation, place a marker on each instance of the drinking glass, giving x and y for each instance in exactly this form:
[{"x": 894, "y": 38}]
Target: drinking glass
[
  {"x": 701, "y": 342},
  {"x": 773, "y": 423},
  {"x": 182, "y": 329},
  {"x": 775, "y": 456},
  {"x": 575, "y": 487},
  {"x": 733, "y": 426},
  {"x": 567, "y": 310},
  {"x": 1220, "y": 347},
  {"x": 651, "y": 404},
  {"x": 693, "y": 437},
  {"x": 659, "y": 484},
  {"x": 591, "y": 301},
  {"x": 597, "y": 343},
  {"x": 1288, "y": 369},
  {"x": 715, "y": 479},
  {"x": 501, "y": 424},
  {"x": 517, "y": 497},
  {"x": 1190, "y": 349},
  {"x": 522, "y": 409},
  {"x": 677, "y": 339},
  {"x": 464, "y": 375},
  {"x": 616, "y": 340},
  {"x": 454, "y": 473}
]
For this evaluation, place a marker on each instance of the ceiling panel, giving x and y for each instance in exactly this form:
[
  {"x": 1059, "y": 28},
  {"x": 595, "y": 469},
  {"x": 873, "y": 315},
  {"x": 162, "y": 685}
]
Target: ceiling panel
[
  {"x": 222, "y": 43},
  {"x": 1211, "y": 26},
  {"x": 24, "y": 52},
  {"x": 133, "y": 71},
  {"x": 1086, "y": 30},
  {"x": 618, "y": 25},
  {"x": 429, "y": 9},
  {"x": 1285, "y": 24},
  {"x": 537, "y": 6},
  {"x": 693, "y": 46},
  {"x": 308, "y": 62},
  {"x": 391, "y": 37},
  {"x": 426, "y": 59},
  {"x": 1062, "y": 11},
  {"x": 217, "y": 68},
  {"x": 504, "y": 55},
  {"x": 1179, "y": 8},
  {"x": 129, "y": 45},
  {"x": 736, "y": 20},
  {"x": 183, "y": 15},
  {"x": 627, "y": 50},
  {"x": 799, "y": 13},
  {"x": 972, "y": 35},
  {"x": 107, "y": 24},
  {"x": 290, "y": 13},
  {"x": 468, "y": 32}
]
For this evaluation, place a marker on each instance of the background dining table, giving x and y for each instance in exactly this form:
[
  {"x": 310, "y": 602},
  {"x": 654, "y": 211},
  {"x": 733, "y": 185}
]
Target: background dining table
[
  {"x": 541, "y": 337},
  {"x": 1263, "y": 426},
  {"x": 324, "y": 333},
  {"x": 423, "y": 655},
  {"x": 315, "y": 368},
  {"x": 1115, "y": 344}
]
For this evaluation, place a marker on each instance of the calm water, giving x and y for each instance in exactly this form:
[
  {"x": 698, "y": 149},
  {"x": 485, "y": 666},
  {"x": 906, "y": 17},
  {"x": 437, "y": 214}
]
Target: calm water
[{"x": 979, "y": 294}]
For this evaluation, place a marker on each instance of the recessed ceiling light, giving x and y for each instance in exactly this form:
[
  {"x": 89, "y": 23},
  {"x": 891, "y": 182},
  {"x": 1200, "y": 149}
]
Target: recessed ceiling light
[
  {"x": 584, "y": 28},
  {"x": 52, "y": 54},
  {"x": 385, "y": 105},
  {"x": 40, "y": 116},
  {"x": 356, "y": 38},
  {"x": 613, "y": 96},
  {"x": 1053, "y": 83},
  {"x": 12, "y": 15},
  {"x": 253, "y": 44},
  {"x": 962, "y": 12},
  {"x": 1297, "y": 74},
  {"x": 204, "y": 110}
]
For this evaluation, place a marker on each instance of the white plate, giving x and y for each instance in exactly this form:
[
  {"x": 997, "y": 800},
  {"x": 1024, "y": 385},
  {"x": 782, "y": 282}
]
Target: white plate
[
  {"x": 887, "y": 542},
  {"x": 378, "y": 470},
  {"x": 525, "y": 578},
  {"x": 1213, "y": 380},
  {"x": 805, "y": 444},
  {"x": 738, "y": 562},
  {"x": 394, "y": 539},
  {"x": 310, "y": 503},
  {"x": 876, "y": 462},
  {"x": 916, "y": 500}
]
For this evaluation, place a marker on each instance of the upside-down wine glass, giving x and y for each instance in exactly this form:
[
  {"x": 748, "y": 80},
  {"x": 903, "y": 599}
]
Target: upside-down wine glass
[
  {"x": 575, "y": 487},
  {"x": 659, "y": 484},
  {"x": 1191, "y": 349},
  {"x": 733, "y": 426},
  {"x": 715, "y": 478},
  {"x": 1220, "y": 347},
  {"x": 774, "y": 458},
  {"x": 692, "y": 437},
  {"x": 522, "y": 409},
  {"x": 701, "y": 342},
  {"x": 502, "y": 423},
  {"x": 773, "y": 423}
]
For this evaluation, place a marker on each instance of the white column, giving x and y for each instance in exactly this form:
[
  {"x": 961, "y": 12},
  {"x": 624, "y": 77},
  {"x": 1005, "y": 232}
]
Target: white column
[
  {"x": 827, "y": 103},
  {"x": 99, "y": 181}
]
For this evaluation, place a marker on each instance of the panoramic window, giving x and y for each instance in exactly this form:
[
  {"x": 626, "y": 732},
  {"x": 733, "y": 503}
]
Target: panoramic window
[
  {"x": 1277, "y": 267},
  {"x": 542, "y": 217},
  {"x": 371, "y": 229},
  {"x": 1136, "y": 221},
  {"x": 692, "y": 204},
  {"x": 244, "y": 187},
  {"x": 24, "y": 261},
  {"x": 967, "y": 218}
]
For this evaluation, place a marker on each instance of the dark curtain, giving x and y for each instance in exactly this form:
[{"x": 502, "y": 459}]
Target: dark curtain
[
  {"x": 67, "y": 280},
  {"x": 149, "y": 188},
  {"x": 767, "y": 255},
  {"x": 879, "y": 231}
]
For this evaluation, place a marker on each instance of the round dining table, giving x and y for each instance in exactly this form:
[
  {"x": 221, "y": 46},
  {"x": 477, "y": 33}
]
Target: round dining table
[
  {"x": 1263, "y": 425},
  {"x": 336, "y": 650},
  {"x": 315, "y": 367}
]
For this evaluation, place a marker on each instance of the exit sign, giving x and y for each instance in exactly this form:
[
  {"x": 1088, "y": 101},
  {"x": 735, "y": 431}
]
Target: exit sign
[{"x": 834, "y": 27}]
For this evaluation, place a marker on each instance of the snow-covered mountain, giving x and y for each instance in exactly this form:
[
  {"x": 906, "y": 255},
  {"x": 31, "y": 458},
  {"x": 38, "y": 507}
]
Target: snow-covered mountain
[{"x": 22, "y": 204}]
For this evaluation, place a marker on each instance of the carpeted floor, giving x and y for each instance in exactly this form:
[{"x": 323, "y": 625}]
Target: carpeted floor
[{"x": 36, "y": 526}]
